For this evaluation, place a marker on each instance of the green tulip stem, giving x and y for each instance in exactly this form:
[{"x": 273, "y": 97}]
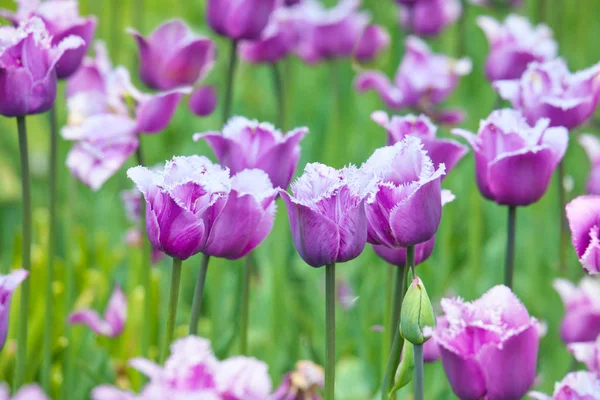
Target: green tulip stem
[
  {"x": 172, "y": 313},
  {"x": 510, "y": 246},
  {"x": 230, "y": 80},
  {"x": 245, "y": 305},
  {"x": 419, "y": 372},
  {"x": 198, "y": 293},
  {"x": 330, "y": 331}
]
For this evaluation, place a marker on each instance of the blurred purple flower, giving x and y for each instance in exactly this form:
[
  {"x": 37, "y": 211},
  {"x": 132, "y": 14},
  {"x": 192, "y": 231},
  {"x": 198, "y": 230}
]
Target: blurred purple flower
[
  {"x": 431, "y": 17},
  {"x": 423, "y": 80},
  {"x": 203, "y": 101},
  {"x": 587, "y": 353},
  {"x": 243, "y": 378},
  {"x": 247, "y": 144},
  {"x": 489, "y": 346},
  {"x": 581, "y": 322},
  {"x": 115, "y": 315},
  {"x": 173, "y": 56},
  {"x": 132, "y": 202},
  {"x": 373, "y": 40},
  {"x": 514, "y": 44},
  {"x": 107, "y": 392},
  {"x": 327, "y": 214},
  {"x": 8, "y": 284},
  {"x": 583, "y": 214},
  {"x": 133, "y": 237},
  {"x": 591, "y": 145},
  {"x": 580, "y": 385},
  {"x": 514, "y": 161},
  {"x": 239, "y": 19},
  {"x": 549, "y": 90},
  {"x": 28, "y": 61},
  {"x": 27, "y": 392},
  {"x": 404, "y": 207},
  {"x": 61, "y": 18},
  {"x": 345, "y": 294},
  {"x": 304, "y": 383}
]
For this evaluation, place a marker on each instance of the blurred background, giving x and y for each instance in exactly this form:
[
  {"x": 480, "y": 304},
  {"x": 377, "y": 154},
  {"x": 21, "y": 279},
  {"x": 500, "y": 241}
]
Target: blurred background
[{"x": 287, "y": 297}]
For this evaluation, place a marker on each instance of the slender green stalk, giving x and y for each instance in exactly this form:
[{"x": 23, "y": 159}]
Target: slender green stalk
[
  {"x": 172, "y": 313},
  {"x": 387, "y": 317},
  {"x": 25, "y": 256},
  {"x": 510, "y": 246},
  {"x": 399, "y": 287},
  {"x": 462, "y": 31},
  {"x": 330, "y": 331},
  {"x": 230, "y": 81},
  {"x": 279, "y": 95},
  {"x": 562, "y": 202},
  {"x": 245, "y": 305},
  {"x": 198, "y": 292},
  {"x": 419, "y": 373}
]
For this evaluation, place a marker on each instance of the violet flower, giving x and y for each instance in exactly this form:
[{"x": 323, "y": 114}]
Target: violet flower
[
  {"x": 431, "y": 17},
  {"x": 549, "y": 90},
  {"x": 587, "y": 353},
  {"x": 581, "y": 322},
  {"x": 580, "y": 385},
  {"x": 28, "y": 62},
  {"x": 304, "y": 383},
  {"x": 247, "y": 143},
  {"x": 173, "y": 56},
  {"x": 327, "y": 214},
  {"x": 514, "y": 161},
  {"x": 514, "y": 44},
  {"x": 133, "y": 238},
  {"x": 62, "y": 20},
  {"x": 27, "y": 392},
  {"x": 113, "y": 322},
  {"x": 489, "y": 347},
  {"x": 591, "y": 145},
  {"x": 583, "y": 214},
  {"x": 423, "y": 80},
  {"x": 8, "y": 284},
  {"x": 203, "y": 101},
  {"x": 239, "y": 19}
]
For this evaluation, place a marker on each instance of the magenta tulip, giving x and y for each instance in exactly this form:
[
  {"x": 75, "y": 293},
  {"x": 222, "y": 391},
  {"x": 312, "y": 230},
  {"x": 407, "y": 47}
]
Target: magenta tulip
[
  {"x": 8, "y": 284},
  {"x": 514, "y": 161},
  {"x": 587, "y": 353},
  {"x": 113, "y": 322},
  {"x": 489, "y": 347},
  {"x": 431, "y": 17},
  {"x": 580, "y": 385},
  {"x": 581, "y": 322},
  {"x": 27, "y": 392},
  {"x": 304, "y": 383},
  {"x": 591, "y": 145},
  {"x": 203, "y": 101},
  {"x": 239, "y": 19},
  {"x": 373, "y": 40},
  {"x": 583, "y": 214}
]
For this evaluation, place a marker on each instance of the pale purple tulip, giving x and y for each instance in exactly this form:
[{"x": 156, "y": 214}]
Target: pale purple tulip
[
  {"x": 405, "y": 205},
  {"x": 134, "y": 238},
  {"x": 246, "y": 144},
  {"x": 583, "y": 214},
  {"x": 8, "y": 284},
  {"x": 587, "y": 353},
  {"x": 580, "y": 385},
  {"x": 514, "y": 44},
  {"x": 591, "y": 145},
  {"x": 239, "y": 19},
  {"x": 61, "y": 18},
  {"x": 243, "y": 378},
  {"x": 489, "y": 347},
  {"x": 173, "y": 56},
  {"x": 132, "y": 202},
  {"x": 304, "y": 383},
  {"x": 28, "y": 62},
  {"x": 431, "y": 17},
  {"x": 423, "y": 80},
  {"x": 581, "y": 322},
  {"x": 115, "y": 315},
  {"x": 203, "y": 101},
  {"x": 182, "y": 203},
  {"x": 514, "y": 161},
  {"x": 549, "y": 90},
  {"x": 27, "y": 392},
  {"x": 441, "y": 151},
  {"x": 327, "y": 214}
]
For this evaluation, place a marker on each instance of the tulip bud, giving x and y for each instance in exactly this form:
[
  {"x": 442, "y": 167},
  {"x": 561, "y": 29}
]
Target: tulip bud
[{"x": 417, "y": 313}]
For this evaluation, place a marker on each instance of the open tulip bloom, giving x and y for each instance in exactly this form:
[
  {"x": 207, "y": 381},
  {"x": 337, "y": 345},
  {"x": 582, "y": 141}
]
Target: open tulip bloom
[
  {"x": 115, "y": 315},
  {"x": 583, "y": 214},
  {"x": 591, "y": 145},
  {"x": 431, "y": 17},
  {"x": 8, "y": 284},
  {"x": 581, "y": 322},
  {"x": 580, "y": 385}
]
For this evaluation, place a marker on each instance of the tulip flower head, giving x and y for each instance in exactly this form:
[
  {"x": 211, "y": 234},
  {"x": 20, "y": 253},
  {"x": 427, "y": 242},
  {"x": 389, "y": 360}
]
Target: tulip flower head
[
  {"x": 27, "y": 392},
  {"x": 580, "y": 385},
  {"x": 431, "y": 17},
  {"x": 115, "y": 315},
  {"x": 549, "y": 90},
  {"x": 514, "y": 44},
  {"x": 591, "y": 145},
  {"x": 583, "y": 214},
  {"x": 304, "y": 383},
  {"x": 8, "y": 284},
  {"x": 514, "y": 161},
  {"x": 581, "y": 322},
  {"x": 239, "y": 19},
  {"x": 173, "y": 56},
  {"x": 489, "y": 346}
]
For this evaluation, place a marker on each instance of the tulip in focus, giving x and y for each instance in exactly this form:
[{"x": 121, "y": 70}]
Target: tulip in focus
[
  {"x": 304, "y": 383},
  {"x": 115, "y": 315},
  {"x": 591, "y": 145},
  {"x": 239, "y": 19},
  {"x": 583, "y": 214},
  {"x": 581, "y": 322},
  {"x": 587, "y": 353},
  {"x": 8, "y": 284},
  {"x": 28, "y": 392},
  {"x": 514, "y": 44},
  {"x": 514, "y": 161},
  {"x": 489, "y": 347},
  {"x": 580, "y": 385},
  {"x": 430, "y": 17}
]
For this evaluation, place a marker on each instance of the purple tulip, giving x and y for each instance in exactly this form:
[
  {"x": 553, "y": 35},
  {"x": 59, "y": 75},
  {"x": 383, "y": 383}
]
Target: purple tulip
[
  {"x": 429, "y": 18},
  {"x": 514, "y": 44},
  {"x": 115, "y": 315},
  {"x": 374, "y": 39},
  {"x": 304, "y": 383},
  {"x": 581, "y": 322},
  {"x": 423, "y": 80},
  {"x": 441, "y": 151},
  {"x": 203, "y": 101},
  {"x": 397, "y": 257},
  {"x": 431, "y": 349},
  {"x": 27, "y": 392},
  {"x": 489, "y": 347},
  {"x": 591, "y": 145},
  {"x": 583, "y": 214},
  {"x": 514, "y": 161},
  {"x": 580, "y": 385},
  {"x": 8, "y": 284},
  {"x": 405, "y": 206},
  {"x": 182, "y": 203},
  {"x": 587, "y": 353},
  {"x": 327, "y": 214},
  {"x": 243, "y": 378},
  {"x": 173, "y": 56},
  {"x": 246, "y": 144},
  {"x": 239, "y": 19},
  {"x": 28, "y": 62},
  {"x": 549, "y": 90},
  {"x": 61, "y": 18}
]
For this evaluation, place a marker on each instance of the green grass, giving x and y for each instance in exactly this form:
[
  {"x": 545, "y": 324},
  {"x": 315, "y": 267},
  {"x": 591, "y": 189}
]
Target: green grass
[{"x": 287, "y": 321}]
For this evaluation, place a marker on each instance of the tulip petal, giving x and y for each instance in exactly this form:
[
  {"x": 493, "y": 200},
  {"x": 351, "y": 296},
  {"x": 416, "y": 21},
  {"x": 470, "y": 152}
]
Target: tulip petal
[
  {"x": 373, "y": 80},
  {"x": 591, "y": 145},
  {"x": 464, "y": 374},
  {"x": 203, "y": 102},
  {"x": 281, "y": 173},
  {"x": 189, "y": 64},
  {"x": 582, "y": 213},
  {"x": 353, "y": 232},
  {"x": 155, "y": 113},
  {"x": 445, "y": 151}
]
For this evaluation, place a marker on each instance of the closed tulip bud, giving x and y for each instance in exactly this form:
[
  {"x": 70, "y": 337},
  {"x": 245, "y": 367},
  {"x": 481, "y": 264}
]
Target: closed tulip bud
[{"x": 417, "y": 313}]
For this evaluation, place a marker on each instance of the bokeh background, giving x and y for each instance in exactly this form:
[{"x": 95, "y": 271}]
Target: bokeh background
[{"x": 287, "y": 297}]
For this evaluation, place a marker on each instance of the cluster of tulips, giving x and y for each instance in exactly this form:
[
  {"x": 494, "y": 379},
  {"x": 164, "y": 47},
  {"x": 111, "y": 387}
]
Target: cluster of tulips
[{"x": 393, "y": 201}]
